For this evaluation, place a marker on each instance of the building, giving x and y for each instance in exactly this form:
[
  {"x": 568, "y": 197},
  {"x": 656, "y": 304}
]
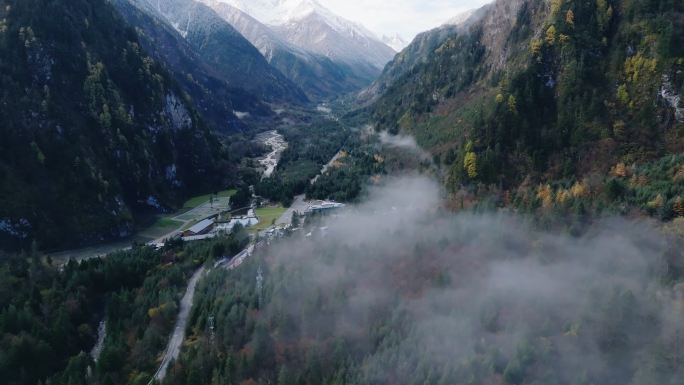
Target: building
[
  {"x": 248, "y": 220},
  {"x": 202, "y": 228},
  {"x": 321, "y": 206}
]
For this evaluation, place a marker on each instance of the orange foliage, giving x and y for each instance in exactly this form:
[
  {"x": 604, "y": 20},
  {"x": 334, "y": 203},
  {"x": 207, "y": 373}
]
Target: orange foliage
[{"x": 545, "y": 194}]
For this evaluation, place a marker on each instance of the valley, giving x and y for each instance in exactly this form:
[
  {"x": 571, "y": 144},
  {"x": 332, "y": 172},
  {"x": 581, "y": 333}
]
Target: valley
[{"x": 268, "y": 192}]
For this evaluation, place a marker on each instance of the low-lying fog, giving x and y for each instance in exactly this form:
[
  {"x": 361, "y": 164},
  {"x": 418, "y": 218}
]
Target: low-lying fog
[{"x": 422, "y": 292}]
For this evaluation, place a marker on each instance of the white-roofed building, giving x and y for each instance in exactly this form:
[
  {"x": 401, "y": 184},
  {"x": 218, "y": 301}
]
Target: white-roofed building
[{"x": 201, "y": 228}]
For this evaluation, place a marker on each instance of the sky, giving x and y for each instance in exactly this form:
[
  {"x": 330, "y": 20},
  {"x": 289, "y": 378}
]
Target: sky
[{"x": 405, "y": 17}]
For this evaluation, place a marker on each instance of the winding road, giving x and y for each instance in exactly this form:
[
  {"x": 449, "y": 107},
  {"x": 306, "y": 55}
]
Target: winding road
[{"x": 176, "y": 342}]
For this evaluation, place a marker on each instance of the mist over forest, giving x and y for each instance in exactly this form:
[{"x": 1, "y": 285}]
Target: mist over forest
[{"x": 396, "y": 291}]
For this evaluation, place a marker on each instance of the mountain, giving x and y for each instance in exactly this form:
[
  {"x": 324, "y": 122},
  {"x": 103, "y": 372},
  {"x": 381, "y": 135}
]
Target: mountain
[
  {"x": 213, "y": 96},
  {"x": 395, "y": 42},
  {"x": 420, "y": 51},
  {"x": 311, "y": 27},
  {"x": 95, "y": 131},
  {"x": 539, "y": 92},
  {"x": 319, "y": 76},
  {"x": 225, "y": 50}
]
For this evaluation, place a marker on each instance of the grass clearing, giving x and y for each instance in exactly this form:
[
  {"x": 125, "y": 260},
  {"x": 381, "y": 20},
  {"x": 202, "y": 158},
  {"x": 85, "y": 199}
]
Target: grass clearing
[
  {"x": 163, "y": 225},
  {"x": 267, "y": 215},
  {"x": 202, "y": 199}
]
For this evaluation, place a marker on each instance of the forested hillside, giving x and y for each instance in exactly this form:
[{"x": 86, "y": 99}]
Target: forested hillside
[
  {"x": 551, "y": 92},
  {"x": 49, "y": 314},
  {"x": 93, "y": 130}
]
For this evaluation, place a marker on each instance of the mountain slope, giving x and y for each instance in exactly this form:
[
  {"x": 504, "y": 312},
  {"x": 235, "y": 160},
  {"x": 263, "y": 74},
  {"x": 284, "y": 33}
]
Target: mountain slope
[
  {"x": 319, "y": 76},
  {"x": 546, "y": 90},
  {"x": 420, "y": 51},
  {"x": 212, "y": 95},
  {"x": 226, "y": 50},
  {"x": 94, "y": 130}
]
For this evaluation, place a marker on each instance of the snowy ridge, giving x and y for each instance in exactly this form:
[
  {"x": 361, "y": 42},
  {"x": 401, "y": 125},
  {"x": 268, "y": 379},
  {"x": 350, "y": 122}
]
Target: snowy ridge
[
  {"x": 395, "y": 42},
  {"x": 312, "y": 28},
  {"x": 279, "y": 12}
]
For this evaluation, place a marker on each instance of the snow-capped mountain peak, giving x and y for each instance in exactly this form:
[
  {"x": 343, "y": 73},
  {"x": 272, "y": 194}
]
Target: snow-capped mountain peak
[
  {"x": 396, "y": 42},
  {"x": 280, "y": 12},
  {"x": 309, "y": 25},
  {"x": 276, "y": 12}
]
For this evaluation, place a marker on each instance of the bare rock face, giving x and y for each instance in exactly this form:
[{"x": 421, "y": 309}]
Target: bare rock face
[
  {"x": 176, "y": 113},
  {"x": 672, "y": 98}
]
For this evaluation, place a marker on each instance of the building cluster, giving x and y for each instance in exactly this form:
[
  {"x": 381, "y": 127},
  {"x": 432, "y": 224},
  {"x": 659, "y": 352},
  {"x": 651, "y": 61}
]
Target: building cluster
[
  {"x": 216, "y": 224},
  {"x": 212, "y": 226}
]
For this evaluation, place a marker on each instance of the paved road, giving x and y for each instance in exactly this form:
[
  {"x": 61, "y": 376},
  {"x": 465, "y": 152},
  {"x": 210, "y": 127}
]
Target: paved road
[
  {"x": 327, "y": 166},
  {"x": 236, "y": 261},
  {"x": 298, "y": 205},
  {"x": 174, "y": 346}
]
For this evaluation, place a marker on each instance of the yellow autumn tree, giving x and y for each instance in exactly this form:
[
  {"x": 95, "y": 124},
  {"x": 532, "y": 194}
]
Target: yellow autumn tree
[
  {"x": 562, "y": 196},
  {"x": 555, "y": 7},
  {"x": 499, "y": 98},
  {"x": 512, "y": 105},
  {"x": 623, "y": 94},
  {"x": 536, "y": 47},
  {"x": 551, "y": 35},
  {"x": 470, "y": 164},
  {"x": 620, "y": 170},
  {"x": 570, "y": 18},
  {"x": 678, "y": 175},
  {"x": 545, "y": 195},
  {"x": 678, "y": 207},
  {"x": 657, "y": 202},
  {"x": 579, "y": 190}
]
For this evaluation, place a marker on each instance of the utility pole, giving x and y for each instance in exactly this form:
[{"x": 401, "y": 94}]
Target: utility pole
[
  {"x": 211, "y": 329},
  {"x": 260, "y": 286}
]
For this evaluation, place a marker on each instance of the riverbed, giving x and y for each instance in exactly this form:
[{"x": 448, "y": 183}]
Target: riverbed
[{"x": 278, "y": 145}]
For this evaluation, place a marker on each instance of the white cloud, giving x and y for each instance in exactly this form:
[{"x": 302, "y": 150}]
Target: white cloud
[{"x": 405, "y": 17}]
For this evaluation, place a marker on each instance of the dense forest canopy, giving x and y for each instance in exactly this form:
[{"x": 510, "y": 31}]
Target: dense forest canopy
[
  {"x": 49, "y": 314},
  {"x": 94, "y": 131}
]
